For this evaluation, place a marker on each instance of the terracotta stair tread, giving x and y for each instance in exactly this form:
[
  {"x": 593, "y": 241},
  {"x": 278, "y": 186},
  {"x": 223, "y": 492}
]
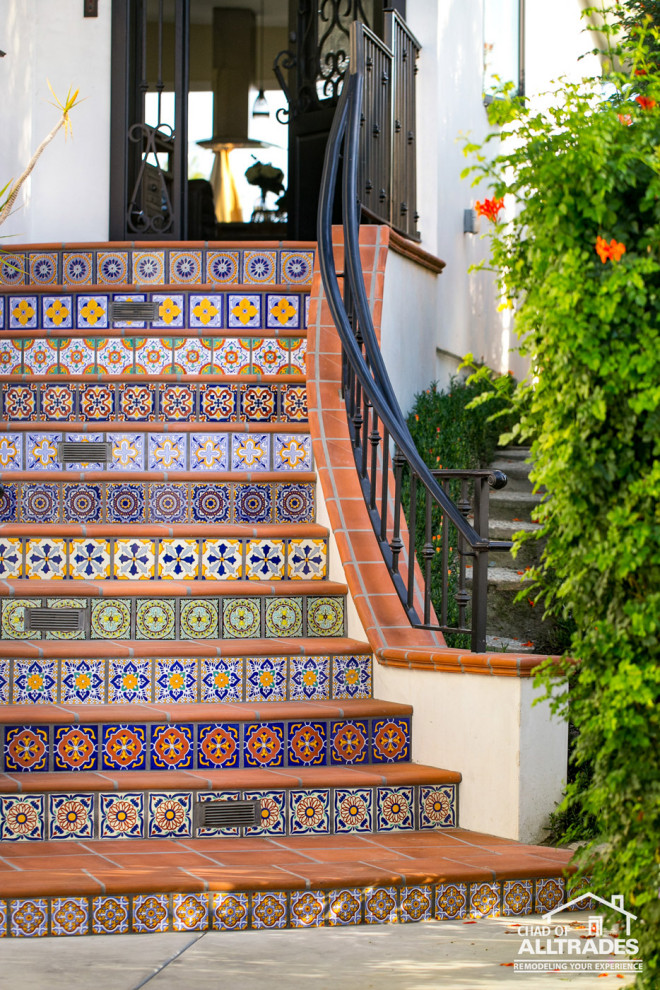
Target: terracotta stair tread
[
  {"x": 259, "y": 863},
  {"x": 39, "y": 288},
  {"x": 169, "y": 589},
  {"x": 127, "y": 530},
  {"x": 296, "y": 378},
  {"x": 369, "y": 775},
  {"x": 236, "y": 711},
  {"x": 293, "y": 477},
  {"x": 153, "y": 426},
  {"x": 218, "y": 333},
  {"x": 317, "y": 646}
]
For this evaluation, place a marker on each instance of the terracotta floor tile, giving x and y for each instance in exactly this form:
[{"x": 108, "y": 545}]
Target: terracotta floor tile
[
  {"x": 147, "y": 881},
  {"x": 48, "y": 884}
]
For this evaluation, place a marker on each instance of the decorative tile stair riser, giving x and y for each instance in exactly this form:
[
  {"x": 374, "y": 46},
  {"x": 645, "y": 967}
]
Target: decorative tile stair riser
[
  {"x": 144, "y": 265},
  {"x": 155, "y": 402},
  {"x": 134, "y": 559},
  {"x": 209, "y": 745},
  {"x": 139, "y": 501},
  {"x": 123, "y": 355},
  {"x": 185, "y": 618},
  {"x": 172, "y": 680},
  {"x": 155, "y": 451},
  {"x": 163, "y": 814},
  {"x": 275, "y": 909}
]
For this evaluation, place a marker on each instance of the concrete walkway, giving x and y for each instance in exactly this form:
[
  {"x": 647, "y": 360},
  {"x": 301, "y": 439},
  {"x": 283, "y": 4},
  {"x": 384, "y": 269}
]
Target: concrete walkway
[{"x": 451, "y": 955}]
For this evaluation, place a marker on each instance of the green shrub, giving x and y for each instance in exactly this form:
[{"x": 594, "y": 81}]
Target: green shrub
[{"x": 580, "y": 259}]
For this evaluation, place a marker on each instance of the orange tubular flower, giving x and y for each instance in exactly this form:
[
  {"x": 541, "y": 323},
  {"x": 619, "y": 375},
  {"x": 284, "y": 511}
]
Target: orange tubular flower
[
  {"x": 645, "y": 102},
  {"x": 489, "y": 208},
  {"x": 613, "y": 251},
  {"x": 625, "y": 118}
]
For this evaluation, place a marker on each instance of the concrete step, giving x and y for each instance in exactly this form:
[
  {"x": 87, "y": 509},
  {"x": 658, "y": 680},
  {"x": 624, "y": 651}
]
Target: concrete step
[
  {"x": 259, "y": 882},
  {"x": 516, "y": 505}
]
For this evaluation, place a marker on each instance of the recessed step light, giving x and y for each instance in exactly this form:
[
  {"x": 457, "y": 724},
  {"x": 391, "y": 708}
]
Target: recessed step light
[
  {"x": 75, "y": 452},
  {"x": 143, "y": 311},
  {"x": 54, "y": 619},
  {"x": 227, "y": 814}
]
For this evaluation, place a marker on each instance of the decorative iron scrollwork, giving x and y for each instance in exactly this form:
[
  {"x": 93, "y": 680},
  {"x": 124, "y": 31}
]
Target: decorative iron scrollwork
[{"x": 150, "y": 206}]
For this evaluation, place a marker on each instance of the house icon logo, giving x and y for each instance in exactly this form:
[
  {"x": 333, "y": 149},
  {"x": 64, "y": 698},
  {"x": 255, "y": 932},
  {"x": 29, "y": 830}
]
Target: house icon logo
[{"x": 595, "y": 922}]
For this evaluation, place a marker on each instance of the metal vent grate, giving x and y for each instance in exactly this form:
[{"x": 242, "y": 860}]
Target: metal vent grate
[
  {"x": 143, "y": 311},
  {"x": 94, "y": 452},
  {"x": 53, "y": 619},
  {"x": 227, "y": 814}
]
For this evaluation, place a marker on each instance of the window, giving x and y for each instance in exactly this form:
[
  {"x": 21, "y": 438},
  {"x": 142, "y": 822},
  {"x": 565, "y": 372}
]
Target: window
[{"x": 504, "y": 32}]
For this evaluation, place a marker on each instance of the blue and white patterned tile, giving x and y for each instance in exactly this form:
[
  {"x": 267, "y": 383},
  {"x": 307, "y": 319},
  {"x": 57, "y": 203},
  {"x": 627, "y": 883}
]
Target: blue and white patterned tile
[
  {"x": 13, "y": 269},
  {"x": 11, "y": 357},
  {"x": 265, "y": 679},
  {"x": 23, "y": 312},
  {"x": 307, "y": 908},
  {"x": 170, "y": 814},
  {"x": 153, "y": 357},
  {"x": 231, "y": 356},
  {"x": 269, "y": 910},
  {"x": 416, "y": 903},
  {"x": 171, "y": 311},
  {"x": 193, "y": 356},
  {"x": 283, "y": 311},
  {"x": 297, "y": 267},
  {"x": 485, "y": 900},
  {"x": 517, "y": 897},
  {"x": 206, "y": 310},
  {"x": 69, "y": 916},
  {"x": 40, "y": 452},
  {"x": 75, "y": 747},
  {"x": 295, "y": 502},
  {"x": 229, "y": 912},
  {"x": 11, "y": 557},
  {"x": 4, "y": 682},
  {"x": 148, "y": 267},
  {"x": 451, "y": 901},
  {"x": 89, "y": 560},
  {"x": 168, "y": 502},
  {"x": 208, "y": 452},
  {"x": 35, "y": 682},
  {"x": 45, "y": 559},
  {"x": 380, "y": 905},
  {"x": 190, "y": 912},
  {"x": 134, "y": 560},
  {"x": 307, "y": 744},
  {"x": 29, "y": 918},
  {"x": 124, "y": 747},
  {"x": 114, "y": 356},
  {"x": 151, "y": 912},
  {"x": 253, "y": 503},
  {"x": 185, "y": 267},
  {"x": 11, "y": 451},
  {"x": 20, "y": 402},
  {"x": 437, "y": 806},
  {"x": 178, "y": 559},
  {"x": 167, "y": 452},
  {"x": 121, "y": 815},
  {"x": 264, "y": 560},
  {"x": 9, "y": 502},
  {"x": 345, "y": 906},
  {"x": 22, "y": 817},
  {"x": 309, "y": 812},
  {"x": 44, "y": 268},
  {"x": 175, "y": 679},
  {"x": 127, "y": 451},
  {"x": 259, "y": 267},
  {"x": 353, "y": 810},
  {"x": 250, "y": 452},
  {"x": 110, "y": 915},
  {"x": 352, "y": 676},
  {"x": 92, "y": 312},
  {"x": 244, "y": 311},
  {"x": 71, "y": 816},
  {"x": 112, "y": 267},
  {"x": 77, "y": 357},
  {"x": 269, "y": 357},
  {"x": 223, "y": 266},
  {"x": 83, "y": 681},
  {"x": 309, "y": 678},
  {"x": 172, "y": 748},
  {"x": 292, "y": 452},
  {"x": 78, "y": 268},
  {"x": 395, "y": 809},
  {"x": 307, "y": 560},
  {"x": 222, "y": 560},
  {"x": 40, "y": 357},
  {"x": 221, "y": 679}
]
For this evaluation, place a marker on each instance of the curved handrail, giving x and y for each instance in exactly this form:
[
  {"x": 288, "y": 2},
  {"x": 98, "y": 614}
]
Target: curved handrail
[{"x": 368, "y": 389}]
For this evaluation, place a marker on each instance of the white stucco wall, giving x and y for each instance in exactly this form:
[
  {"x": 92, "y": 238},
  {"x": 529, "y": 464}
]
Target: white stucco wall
[
  {"x": 66, "y": 198},
  {"x": 512, "y": 754},
  {"x": 450, "y": 103}
]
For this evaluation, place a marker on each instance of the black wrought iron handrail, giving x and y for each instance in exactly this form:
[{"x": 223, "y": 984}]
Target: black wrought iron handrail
[{"x": 371, "y": 403}]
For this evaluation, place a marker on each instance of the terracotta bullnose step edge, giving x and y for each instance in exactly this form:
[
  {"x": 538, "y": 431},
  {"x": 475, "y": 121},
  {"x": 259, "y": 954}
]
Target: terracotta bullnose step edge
[
  {"x": 53, "y": 649},
  {"x": 259, "y": 245},
  {"x": 26, "y": 587},
  {"x": 127, "y": 530},
  {"x": 170, "y": 426},
  {"x": 139, "y": 378},
  {"x": 237, "y": 477},
  {"x": 234, "y": 711},
  {"x": 394, "y": 641},
  {"x": 193, "y": 333},
  {"x": 103, "y": 781}
]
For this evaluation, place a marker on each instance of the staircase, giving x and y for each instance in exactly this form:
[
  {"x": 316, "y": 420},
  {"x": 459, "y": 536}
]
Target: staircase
[{"x": 190, "y": 738}]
